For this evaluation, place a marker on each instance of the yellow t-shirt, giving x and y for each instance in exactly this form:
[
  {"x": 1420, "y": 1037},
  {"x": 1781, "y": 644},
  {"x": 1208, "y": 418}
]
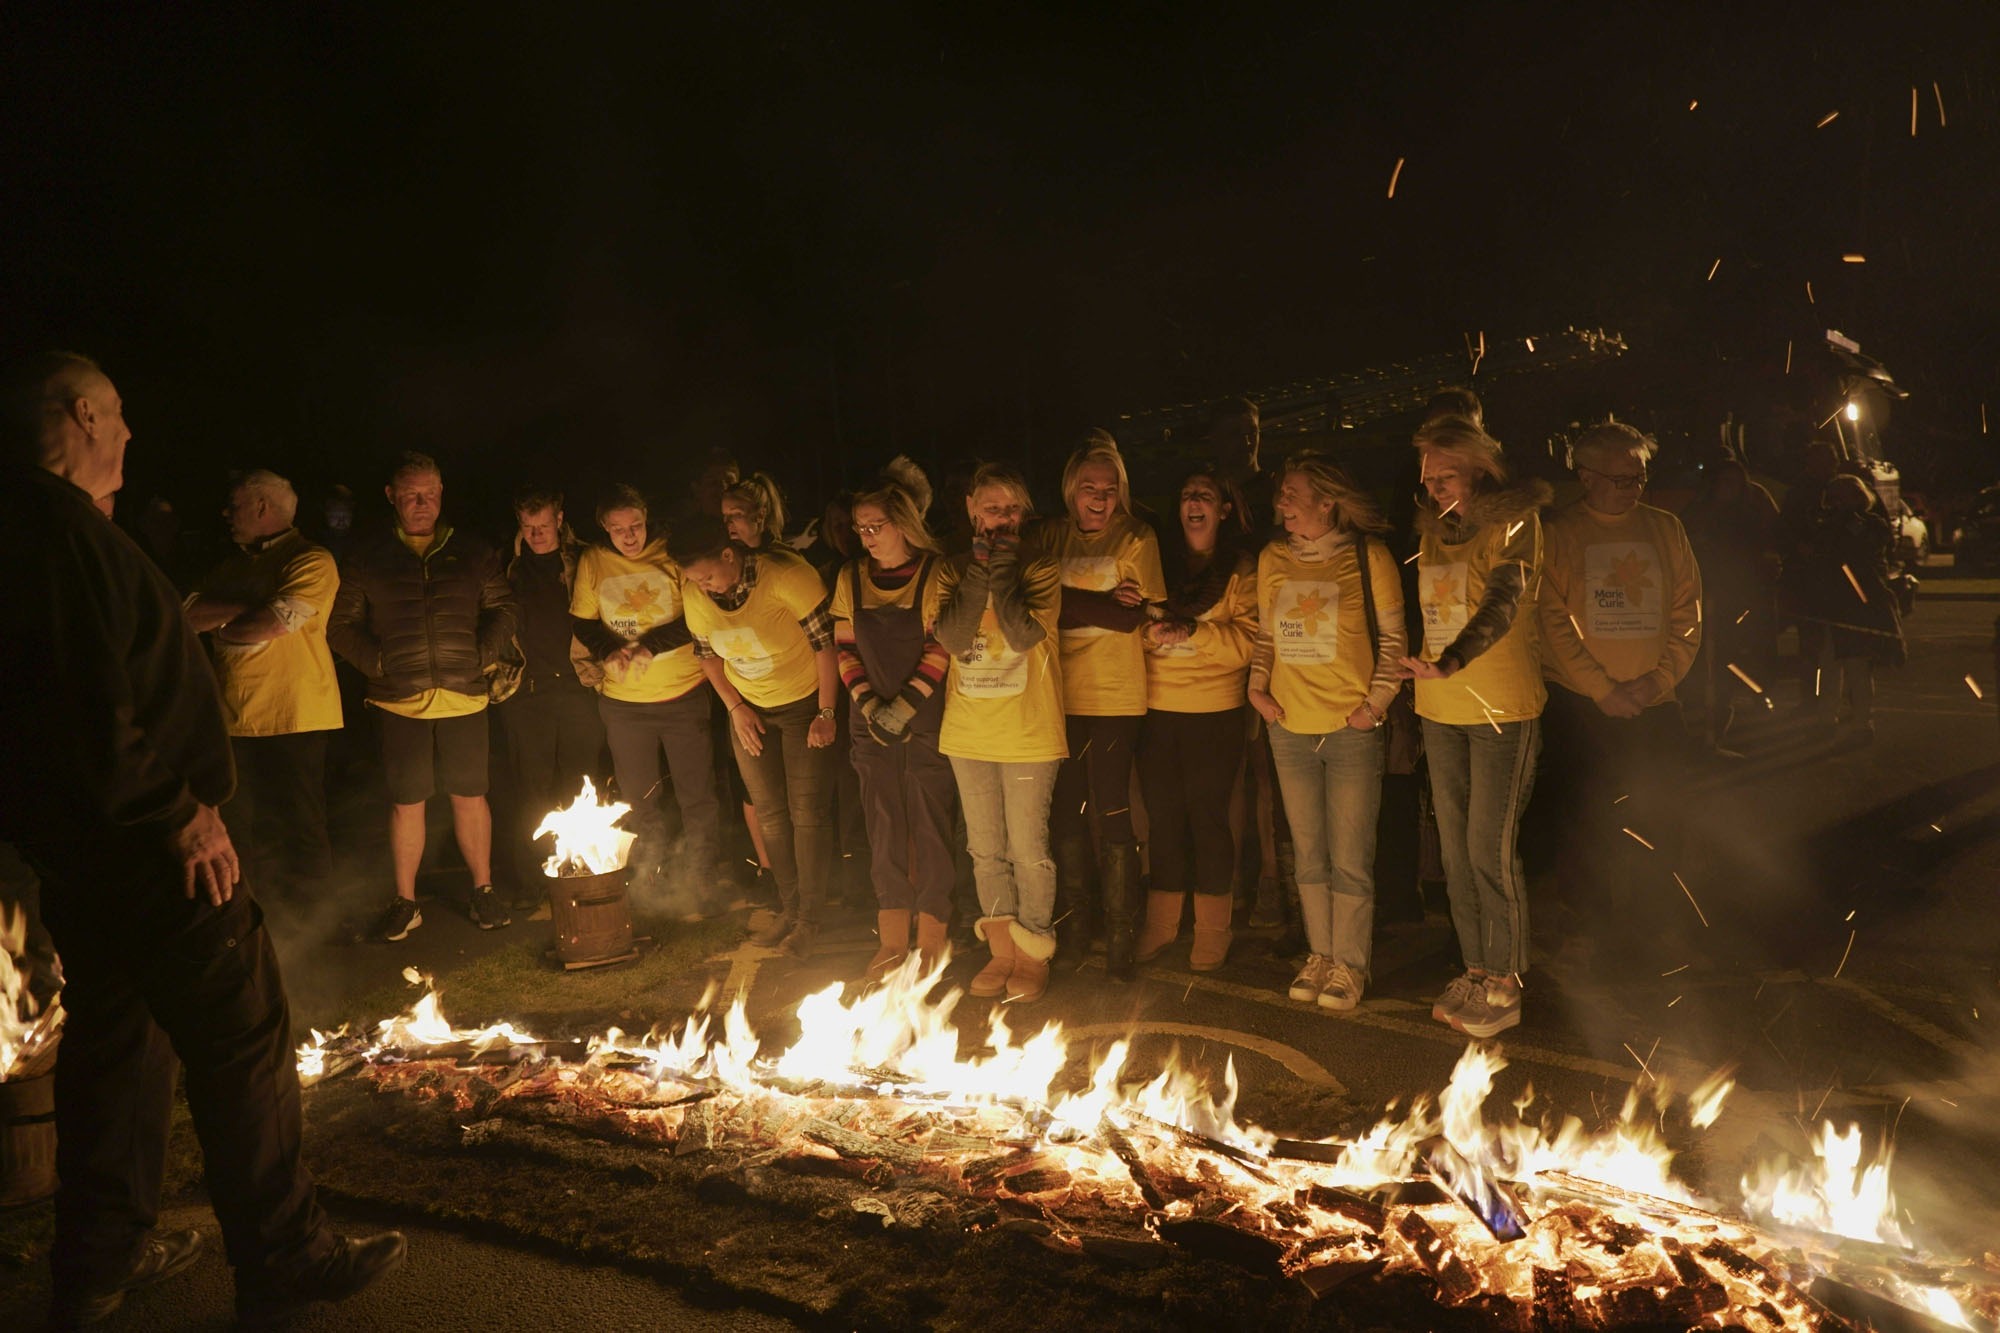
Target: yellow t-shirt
[
  {"x": 1103, "y": 671},
  {"x": 763, "y": 646},
  {"x": 874, "y": 598},
  {"x": 1000, "y": 705},
  {"x": 1504, "y": 683},
  {"x": 1321, "y": 660},
  {"x": 284, "y": 685},
  {"x": 1207, "y": 673},
  {"x": 631, "y": 596},
  {"x": 1620, "y": 600},
  {"x": 430, "y": 705}
]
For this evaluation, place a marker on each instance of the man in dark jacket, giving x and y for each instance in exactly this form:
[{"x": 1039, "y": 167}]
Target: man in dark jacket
[
  {"x": 554, "y": 735},
  {"x": 117, "y": 757},
  {"x": 423, "y": 612}
]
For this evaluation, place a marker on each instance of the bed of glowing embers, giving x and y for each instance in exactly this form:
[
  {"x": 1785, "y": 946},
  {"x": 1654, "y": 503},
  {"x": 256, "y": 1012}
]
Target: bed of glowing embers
[{"x": 1546, "y": 1224}]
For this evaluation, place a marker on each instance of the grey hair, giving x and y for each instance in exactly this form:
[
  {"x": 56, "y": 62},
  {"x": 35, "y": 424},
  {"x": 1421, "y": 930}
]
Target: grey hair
[
  {"x": 1613, "y": 437},
  {"x": 275, "y": 490}
]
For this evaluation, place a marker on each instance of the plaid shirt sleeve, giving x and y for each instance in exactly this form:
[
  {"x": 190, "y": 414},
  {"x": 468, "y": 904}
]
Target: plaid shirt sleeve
[
  {"x": 818, "y": 625},
  {"x": 701, "y": 648}
]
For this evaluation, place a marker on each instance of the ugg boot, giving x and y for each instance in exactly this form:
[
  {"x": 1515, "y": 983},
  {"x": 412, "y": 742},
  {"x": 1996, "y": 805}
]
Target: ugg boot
[
  {"x": 999, "y": 936},
  {"x": 1212, "y": 913},
  {"x": 894, "y": 929},
  {"x": 1163, "y": 924},
  {"x": 930, "y": 940},
  {"x": 1118, "y": 875},
  {"x": 1030, "y": 977},
  {"x": 1076, "y": 914},
  {"x": 774, "y": 932}
]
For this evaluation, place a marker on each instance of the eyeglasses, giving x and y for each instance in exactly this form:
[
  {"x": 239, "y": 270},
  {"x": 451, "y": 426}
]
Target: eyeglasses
[
  {"x": 1624, "y": 481},
  {"x": 869, "y": 529}
]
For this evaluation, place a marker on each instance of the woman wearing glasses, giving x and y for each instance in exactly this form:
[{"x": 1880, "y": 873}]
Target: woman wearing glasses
[
  {"x": 1480, "y": 695},
  {"x": 884, "y": 604}
]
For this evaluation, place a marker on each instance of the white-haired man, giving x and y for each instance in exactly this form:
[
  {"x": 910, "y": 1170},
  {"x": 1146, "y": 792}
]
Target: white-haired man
[
  {"x": 265, "y": 610},
  {"x": 1621, "y": 622},
  {"x": 117, "y": 760}
]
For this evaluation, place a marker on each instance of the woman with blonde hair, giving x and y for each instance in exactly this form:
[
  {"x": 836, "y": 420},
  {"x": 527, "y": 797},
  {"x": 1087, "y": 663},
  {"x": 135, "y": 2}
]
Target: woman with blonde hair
[
  {"x": 1110, "y": 563},
  {"x": 753, "y": 510},
  {"x": 884, "y": 605},
  {"x": 1191, "y": 747},
  {"x": 1323, "y": 674},
  {"x": 1003, "y": 728},
  {"x": 1480, "y": 695}
]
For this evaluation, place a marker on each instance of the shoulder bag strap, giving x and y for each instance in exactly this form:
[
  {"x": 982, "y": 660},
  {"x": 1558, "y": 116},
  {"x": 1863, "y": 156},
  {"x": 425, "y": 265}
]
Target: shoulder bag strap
[{"x": 1368, "y": 600}]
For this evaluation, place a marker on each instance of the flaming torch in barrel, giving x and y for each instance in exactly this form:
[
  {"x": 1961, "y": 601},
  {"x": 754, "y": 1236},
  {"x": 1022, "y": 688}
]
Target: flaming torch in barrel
[{"x": 587, "y": 902}]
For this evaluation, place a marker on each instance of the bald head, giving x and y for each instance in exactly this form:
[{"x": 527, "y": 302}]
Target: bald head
[{"x": 63, "y": 414}]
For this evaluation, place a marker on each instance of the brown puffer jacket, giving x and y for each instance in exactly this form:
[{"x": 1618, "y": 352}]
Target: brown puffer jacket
[{"x": 412, "y": 624}]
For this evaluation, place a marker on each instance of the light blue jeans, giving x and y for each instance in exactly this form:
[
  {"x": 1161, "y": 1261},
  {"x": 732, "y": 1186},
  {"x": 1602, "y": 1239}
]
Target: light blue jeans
[
  {"x": 1007, "y": 832},
  {"x": 1332, "y": 785},
  {"x": 1480, "y": 783}
]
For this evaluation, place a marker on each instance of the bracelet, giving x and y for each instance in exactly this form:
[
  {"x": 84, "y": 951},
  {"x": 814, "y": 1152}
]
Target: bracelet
[
  {"x": 738, "y": 704},
  {"x": 1369, "y": 709}
]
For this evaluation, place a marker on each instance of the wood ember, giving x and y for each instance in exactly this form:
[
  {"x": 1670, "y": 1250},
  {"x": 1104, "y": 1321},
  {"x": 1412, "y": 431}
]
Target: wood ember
[
  {"x": 1142, "y": 1175},
  {"x": 1456, "y": 1281},
  {"x": 1355, "y": 1207},
  {"x": 1554, "y": 1309},
  {"x": 1042, "y": 1180},
  {"x": 848, "y": 1143}
]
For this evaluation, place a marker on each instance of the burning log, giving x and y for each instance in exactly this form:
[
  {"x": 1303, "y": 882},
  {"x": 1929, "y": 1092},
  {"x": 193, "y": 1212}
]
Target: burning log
[
  {"x": 1357, "y": 1208},
  {"x": 1121, "y": 1147},
  {"x": 862, "y": 1146},
  {"x": 1870, "y": 1310},
  {"x": 1456, "y": 1281}
]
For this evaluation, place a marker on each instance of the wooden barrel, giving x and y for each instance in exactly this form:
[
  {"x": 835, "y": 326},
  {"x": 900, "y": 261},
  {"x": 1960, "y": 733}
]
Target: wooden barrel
[
  {"x": 592, "y": 917},
  {"x": 27, "y": 1140}
]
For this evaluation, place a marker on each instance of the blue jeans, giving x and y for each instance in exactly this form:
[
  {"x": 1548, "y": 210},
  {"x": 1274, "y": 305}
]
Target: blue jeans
[
  {"x": 1332, "y": 785},
  {"x": 1007, "y": 831},
  {"x": 1480, "y": 783}
]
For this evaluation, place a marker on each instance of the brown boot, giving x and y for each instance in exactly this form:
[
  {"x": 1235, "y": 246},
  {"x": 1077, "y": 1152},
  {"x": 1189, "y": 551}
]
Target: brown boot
[
  {"x": 1211, "y": 931},
  {"x": 930, "y": 940},
  {"x": 1163, "y": 924},
  {"x": 894, "y": 928},
  {"x": 1030, "y": 977},
  {"x": 999, "y": 937}
]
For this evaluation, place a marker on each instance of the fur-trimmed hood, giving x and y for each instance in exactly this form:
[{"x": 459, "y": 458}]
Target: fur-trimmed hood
[{"x": 1510, "y": 504}]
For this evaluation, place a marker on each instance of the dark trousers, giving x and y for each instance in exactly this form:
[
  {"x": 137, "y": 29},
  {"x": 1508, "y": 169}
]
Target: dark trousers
[
  {"x": 638, "y": 734},
  {"x": 278, "y": 814},
  {"x": 1094, "y": 785},
  {"x": 157, "y": 981},
  {"x": 1613, "y": 774},
  {"x": 554, "y": 740},
  {"x": 791, "y": 784},
  {"x": 1187, "y": 766},
  {"x": 909, "y": 794}
]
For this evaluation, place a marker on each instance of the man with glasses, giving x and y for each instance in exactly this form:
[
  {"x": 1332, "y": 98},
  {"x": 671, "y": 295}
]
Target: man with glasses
[{"x": 1621, "y": 621}]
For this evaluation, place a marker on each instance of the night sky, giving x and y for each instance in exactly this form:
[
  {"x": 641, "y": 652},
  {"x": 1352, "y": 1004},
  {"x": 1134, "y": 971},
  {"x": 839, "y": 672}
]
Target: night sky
[{"x": 578, "y": 241}]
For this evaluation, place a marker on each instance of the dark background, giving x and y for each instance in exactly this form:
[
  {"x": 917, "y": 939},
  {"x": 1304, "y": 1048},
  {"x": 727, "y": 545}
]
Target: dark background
[{"x": 602, "y": 240}]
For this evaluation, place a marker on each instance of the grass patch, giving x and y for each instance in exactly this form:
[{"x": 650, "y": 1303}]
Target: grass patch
[{"x": 516, "y": 983}]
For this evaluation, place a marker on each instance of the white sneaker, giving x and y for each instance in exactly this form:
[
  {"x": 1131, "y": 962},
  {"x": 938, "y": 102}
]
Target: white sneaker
[
  {"x": 1455, "y": 998},
  {"x": 1494, "y": 1007},
  {"x": 1311, "y": 979},
  {"x": 1342, "y": 990}
]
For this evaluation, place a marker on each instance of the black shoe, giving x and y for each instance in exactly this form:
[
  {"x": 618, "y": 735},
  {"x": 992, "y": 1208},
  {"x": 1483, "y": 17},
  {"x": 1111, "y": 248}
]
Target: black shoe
[
  {"x": 161, "y": 1255},
  {"x": 267, "y": 1301},
  {"x": 486, "y": 911},
  {"x": 394, "y": 922}
]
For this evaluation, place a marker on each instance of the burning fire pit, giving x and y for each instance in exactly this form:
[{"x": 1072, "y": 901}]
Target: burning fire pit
[
  {"x": 586, "y": 882},
  {"x": 28, "y": 1042},
  {"x": 1511, "y": 1224}
]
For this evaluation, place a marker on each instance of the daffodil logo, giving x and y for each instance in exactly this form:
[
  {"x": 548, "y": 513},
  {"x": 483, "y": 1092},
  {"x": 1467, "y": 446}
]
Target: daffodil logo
[
  {"x": 637, "y": 598},
  {"x": 1631, "y": 573},
  {"x": 1444, "y": 586},
  {"x": 1309, "y": 608}
]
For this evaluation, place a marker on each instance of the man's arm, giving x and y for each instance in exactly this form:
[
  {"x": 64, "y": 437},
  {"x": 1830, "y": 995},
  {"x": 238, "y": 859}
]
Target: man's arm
[
  {"x": 497, "y": 613},
  {"x": 348, "y": 632}
]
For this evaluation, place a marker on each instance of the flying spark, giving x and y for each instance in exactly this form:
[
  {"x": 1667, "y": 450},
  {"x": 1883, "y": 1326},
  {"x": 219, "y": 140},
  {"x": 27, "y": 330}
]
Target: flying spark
[
  {"x": 1936, "y": 829},
  {"x": 1913, "y": 111},
  {"x": 1697, "y": 102},
  {"x": 1531, "y": 344},
  {"x": 1711, "y": 269},
  {"x": 1844, "y": 952},
  {"x": 1573, "y": 625},
  {"x": 1745, "y": 616},
  {"x": 1816, "y": 676},
  {"x": 1788, "y": 356},
  {"x": 1849, "y": 916},
  {"x": 1854, "y": 583},
  {"x": 1973, "y": 685},
  {"x": 1622, "y": 799},
  {"x": 1641, "y": 841},
  {"x": 1827, "y": 120},
  {"x": 1939, "y": 94},
  {"x": 1393, "y": 176},
  {"x": 1744, "y": 676},
  {"x": 1691, "y": 902},
  {"x": 1671, "y": 1003},
  {"x": 1413, "y": 556},
  {"x": 1853, "y": 258},
  {"x": 1672, "y": 971},
  {"x": 1516, "y": 528},
  {"x": 1809, "y": 295}
]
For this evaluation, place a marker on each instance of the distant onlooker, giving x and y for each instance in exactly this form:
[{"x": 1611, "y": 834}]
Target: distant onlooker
[
  {"x": 753, "y": 510},
  {"x": 424, "y": 610},
  {"x": 1455, "y": 400},
  {"x": 266, "y": 609},
  {"x": 1732, "y": 523},
  {"x": 554, "y": 736},
  {"x": 1846, "y": 598},
  {"x": 1236, "y": 435}
]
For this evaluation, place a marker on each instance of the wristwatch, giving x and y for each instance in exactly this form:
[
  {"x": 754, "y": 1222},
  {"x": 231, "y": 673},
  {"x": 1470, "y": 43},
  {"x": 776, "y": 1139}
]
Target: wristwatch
[{"x": 826, "y": 713}]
